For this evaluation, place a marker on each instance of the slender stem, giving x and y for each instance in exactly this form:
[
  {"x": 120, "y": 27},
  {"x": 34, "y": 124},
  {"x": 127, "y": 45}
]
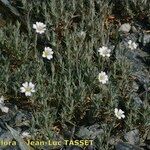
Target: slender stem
[
  {"x": 35, "y": 44},
  {"x": 144, "y": 92}
]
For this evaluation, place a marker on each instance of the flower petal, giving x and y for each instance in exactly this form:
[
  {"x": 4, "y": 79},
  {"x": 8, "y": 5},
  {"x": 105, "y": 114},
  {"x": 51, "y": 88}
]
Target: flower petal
[
  {"x": 28, "y": 93},
  {"x": 116, "y": 110},
  {"x": 123, "y": 116},
  {"x": 33, "y": 90},
  {"x": 43, "y": 55},
  {"x": 129, "y": 42},
  {"x": 34, "y": 26},
  {"x": 31, "y": 85},
  {"x": 25, "y": 84},
  {"x": 49, "y": 57},
  {"x": 22, "y": 89},
  {"x": 120, "y": 111}
]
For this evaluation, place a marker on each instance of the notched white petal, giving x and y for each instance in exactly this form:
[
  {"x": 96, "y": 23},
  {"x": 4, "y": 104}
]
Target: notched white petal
[
  {"x": 25, "y": 84},
  {"x": 22, "y": 89},
  {"x": 31, "y": 85}
]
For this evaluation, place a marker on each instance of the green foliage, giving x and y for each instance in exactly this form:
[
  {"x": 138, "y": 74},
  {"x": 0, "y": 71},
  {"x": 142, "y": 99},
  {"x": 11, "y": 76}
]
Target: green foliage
[{"x": 68, "y": 92}]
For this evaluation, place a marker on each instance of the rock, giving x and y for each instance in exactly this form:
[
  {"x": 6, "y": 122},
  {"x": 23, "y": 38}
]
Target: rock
[
  {"x": 144, "y": 38},
  {"x": 90, "y": 148},
  {"x": 148, "y": 146},
  {"x": 126, "y": 27},
  {"x": 113, "y": 140},
  {"x": 13, "y": 148},
  {"x": 90, "y": 132},
  {"x": 147, "y": 141},
  {"x": 126, "y": 146},
  {"x": 22, "y": 119},
  {"x": 72, "y": 148},
  {"x": 5, "y": 137},
  {"x": 133, "y": 137},
  {"x": 148, "y": 135}
]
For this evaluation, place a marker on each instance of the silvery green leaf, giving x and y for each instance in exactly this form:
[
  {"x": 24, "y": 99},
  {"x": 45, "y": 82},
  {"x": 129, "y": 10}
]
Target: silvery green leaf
[
  {"x": 6, "y": 2},
  {"x": 12, "y": 9},
  {"x": 137, "y": 101},
  {"x": 94, "y": 127},
  {"x": 143, "y": 77},
  {"x": 22, "y": 144}
]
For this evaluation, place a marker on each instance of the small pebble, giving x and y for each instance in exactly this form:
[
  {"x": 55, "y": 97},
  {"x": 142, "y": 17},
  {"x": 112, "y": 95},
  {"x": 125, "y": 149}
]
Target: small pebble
[{"x": 126, "y": 27}]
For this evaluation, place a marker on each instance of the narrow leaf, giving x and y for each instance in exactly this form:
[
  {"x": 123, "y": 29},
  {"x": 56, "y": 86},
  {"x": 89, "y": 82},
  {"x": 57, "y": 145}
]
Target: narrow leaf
[{"x": 22, "y": 144}]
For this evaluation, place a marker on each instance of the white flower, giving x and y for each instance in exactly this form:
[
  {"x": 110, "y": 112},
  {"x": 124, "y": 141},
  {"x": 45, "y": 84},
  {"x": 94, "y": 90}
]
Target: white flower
[
  {"x": 48, "y": 53},
  {"x": 2, "y": 105},
  {"x": 27, "y": 88},
  {"x": 119, "y": 113},
  {"x": 39, "y": 27},
  {"x": 104, "y": 51},
  {"x": 103, "y": 78},
  {"x": 25, "y": 135},
  {"x": 132, "y": 45},
  {"x": 82, "y": 34}
]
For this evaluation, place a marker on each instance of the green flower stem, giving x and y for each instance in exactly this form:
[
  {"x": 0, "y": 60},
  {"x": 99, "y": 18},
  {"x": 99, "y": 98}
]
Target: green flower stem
[{"x": 35, "y": 44}]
